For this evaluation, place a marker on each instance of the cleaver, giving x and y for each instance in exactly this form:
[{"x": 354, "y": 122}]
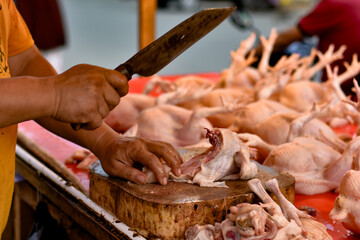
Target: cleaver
[{"x": 162, "y": 51}]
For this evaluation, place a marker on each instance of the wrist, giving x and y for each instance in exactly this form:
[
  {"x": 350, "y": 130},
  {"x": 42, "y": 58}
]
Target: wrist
[
  {"x": 53, "y": 100},
  {"x": 103, "y": 136}
]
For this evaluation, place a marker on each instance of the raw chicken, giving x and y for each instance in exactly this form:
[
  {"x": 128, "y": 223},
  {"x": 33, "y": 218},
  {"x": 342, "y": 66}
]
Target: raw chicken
[
  {"x": 301, "y": 95},
  {"x": 201, "y": 232},
  {"x": 229, "y": 158},
  {"x": 240, "y": 73},
  {"x": 83, "y": 158},
  {"x": 193, "y": 92},
  {"x": 347, "y": 204},
  {"x": 283, "y": 127},
  {"x": 248, "y": 117},
  {"x": 171, "y": 124},
  {"x": 215, "y": 99},
  {"x": 251, "y": 221},
  {"x": 176, "y": 125},
  {"x": 297, "y": 224},
  {"x": 317, "y": 168},
  {"x": 125, "y": 115},
  {"x": 265, "y": 221}
]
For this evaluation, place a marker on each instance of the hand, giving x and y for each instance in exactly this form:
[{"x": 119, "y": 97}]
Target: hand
[
  {"x": 118, "y": 155},
  {"x": 86, "y": 94}
]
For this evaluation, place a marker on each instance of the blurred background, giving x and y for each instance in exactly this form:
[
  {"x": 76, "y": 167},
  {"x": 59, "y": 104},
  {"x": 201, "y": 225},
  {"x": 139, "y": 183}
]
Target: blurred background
[{"x": 105, "y": 33}]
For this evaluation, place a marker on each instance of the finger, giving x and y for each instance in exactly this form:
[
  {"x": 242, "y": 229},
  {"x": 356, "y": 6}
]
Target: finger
[
  {"x": 117, "y": 81},
  {"x": 168, "y": 153},
  {"x": 103, "y": 108},
  {"x": 151, "y": 161},
  {"x": 127, "y": 172},
  {"x": 111, "y": 96}
]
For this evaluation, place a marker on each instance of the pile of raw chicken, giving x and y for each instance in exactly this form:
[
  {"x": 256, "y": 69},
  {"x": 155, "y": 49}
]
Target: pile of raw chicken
[{"x": 276, "y": 116}]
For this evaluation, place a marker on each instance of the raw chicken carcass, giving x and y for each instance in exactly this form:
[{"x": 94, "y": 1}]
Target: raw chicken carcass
[
  {"x": 283, "y": 127},
  {"x": 347, "y": 204},
  {"x": 203, "y": 232},
  {"x": 171, "y": 124},
  {"x": 264, "y": 221},
  {"x": 125, "y": 114},
  {"x": 215, "y": 99},
  {"x": 193, "y": 92},
  {"x": 248, "y": 117},
  {"x": 83, "y": 158},
  {"x": 301, "y": 95},
  {"x": 251, "y": 221},
  {"x": 292, "y": 223},
  {"x": 228, "y": 158},
  {"x": 240, "y": 73},
  {"x": 317, "y": 168},
  {"x": 177, "y": 125}
]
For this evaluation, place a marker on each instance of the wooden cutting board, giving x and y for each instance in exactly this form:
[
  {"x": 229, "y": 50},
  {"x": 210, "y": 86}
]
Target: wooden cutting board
[{"x": 165, "y": 212}]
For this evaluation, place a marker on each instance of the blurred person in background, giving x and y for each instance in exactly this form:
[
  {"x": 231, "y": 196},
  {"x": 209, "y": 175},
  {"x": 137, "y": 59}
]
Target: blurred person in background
[
  {"x": 30, "y": 88},
  {"x": 332, "y": 22},
  {"x": 46, "y": 25}
]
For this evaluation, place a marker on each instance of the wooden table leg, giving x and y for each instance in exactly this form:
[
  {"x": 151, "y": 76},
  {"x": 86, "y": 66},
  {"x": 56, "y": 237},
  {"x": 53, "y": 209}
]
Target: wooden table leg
[{"x": 147, "y": 11}]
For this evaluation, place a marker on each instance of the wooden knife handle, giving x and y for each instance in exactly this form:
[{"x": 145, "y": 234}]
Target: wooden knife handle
[{"x": 126, "y": 70}]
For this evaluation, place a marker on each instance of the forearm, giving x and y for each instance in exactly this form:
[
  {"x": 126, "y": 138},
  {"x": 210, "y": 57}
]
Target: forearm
[
  {"x": 85, "y": 138},
  {"x": 283, "y": 40},
  {"x": 25, "y": 98},
  {"x": 287, "y": 37}
]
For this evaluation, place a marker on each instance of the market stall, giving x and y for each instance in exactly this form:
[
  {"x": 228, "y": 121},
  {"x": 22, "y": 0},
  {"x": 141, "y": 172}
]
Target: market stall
[{"x": 242, "y": 134}]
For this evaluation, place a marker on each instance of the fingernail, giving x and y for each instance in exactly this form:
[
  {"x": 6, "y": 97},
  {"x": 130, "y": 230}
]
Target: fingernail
[
  {"x": 178, "y": 172},
  {"x": 140, "y": 179},
  {"x": 164, "y": 181}
]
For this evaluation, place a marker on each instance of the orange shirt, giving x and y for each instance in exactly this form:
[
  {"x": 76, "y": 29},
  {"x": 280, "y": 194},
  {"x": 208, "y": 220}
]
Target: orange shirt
[{"x": 14, "y": 39}]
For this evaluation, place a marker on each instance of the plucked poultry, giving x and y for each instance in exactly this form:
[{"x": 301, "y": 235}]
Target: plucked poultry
[
  {"x": 172, "y": 124},
  {"x": 193, "y": 92},
  {"x": 248, "y": 117},
  {"x": 282, "y": 127},
  {"x": 316, "y": 167},
  {"x": 301, "y": 95},
  {"x": 177, "y": 125},
  {"x": 125, "y": 115},
  {"x": 347, "y": 207},
  {"x": 228, "y": 158}
]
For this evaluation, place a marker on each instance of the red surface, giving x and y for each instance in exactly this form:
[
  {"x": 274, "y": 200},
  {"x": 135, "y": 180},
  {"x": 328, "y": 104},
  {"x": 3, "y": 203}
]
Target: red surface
[
  {"x": 349, "y": 129},
  {"x": 324, "y": 203},
  {"x": 62, "y": 149},
  {"x": 58, "y": 147},
  {"x": 138, "y": 84}
]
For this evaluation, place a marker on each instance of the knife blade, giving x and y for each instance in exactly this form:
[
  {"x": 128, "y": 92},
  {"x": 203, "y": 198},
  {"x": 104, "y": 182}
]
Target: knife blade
[{"x": 162, "y": 51}]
